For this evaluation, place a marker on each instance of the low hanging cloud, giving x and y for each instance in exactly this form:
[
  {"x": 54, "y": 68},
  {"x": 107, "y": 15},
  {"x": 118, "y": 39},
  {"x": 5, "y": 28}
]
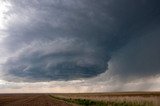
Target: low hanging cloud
[
  {"x": 67, "y": 40},
  {"x": 139, "y": 58}
]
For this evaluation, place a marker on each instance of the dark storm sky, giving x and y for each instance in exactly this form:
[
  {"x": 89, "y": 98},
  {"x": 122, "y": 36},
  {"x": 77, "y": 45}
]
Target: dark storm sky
[{"x": 51, "y": 40}]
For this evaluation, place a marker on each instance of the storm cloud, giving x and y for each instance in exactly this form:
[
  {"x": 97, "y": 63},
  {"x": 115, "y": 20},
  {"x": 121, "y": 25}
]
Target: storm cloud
[{"x": 75, "y": 39}]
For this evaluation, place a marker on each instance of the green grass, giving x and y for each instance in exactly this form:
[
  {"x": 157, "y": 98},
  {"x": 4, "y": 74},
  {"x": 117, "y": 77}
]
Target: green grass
[{"x": 87, "y": 102}]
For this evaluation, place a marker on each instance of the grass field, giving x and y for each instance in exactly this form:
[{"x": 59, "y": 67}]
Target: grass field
[
  {"x": 82, "y": 99},
  {"x": 113, "y": 99}
]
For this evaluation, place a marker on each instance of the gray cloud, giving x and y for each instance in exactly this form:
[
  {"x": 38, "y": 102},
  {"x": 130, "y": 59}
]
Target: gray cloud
[
  {"x": 66, "y": 40},
  {"x": 139, "y": 58}
]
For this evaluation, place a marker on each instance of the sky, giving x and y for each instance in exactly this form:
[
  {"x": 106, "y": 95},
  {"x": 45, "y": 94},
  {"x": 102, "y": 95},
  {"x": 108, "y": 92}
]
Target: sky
[{"x": 79, "y": 46}]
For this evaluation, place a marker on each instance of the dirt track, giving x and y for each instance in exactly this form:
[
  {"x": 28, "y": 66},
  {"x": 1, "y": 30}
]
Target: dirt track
[{"x": 30, "y": 100}]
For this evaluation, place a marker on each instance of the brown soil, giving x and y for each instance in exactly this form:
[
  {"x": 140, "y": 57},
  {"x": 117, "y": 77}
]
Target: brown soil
[{"x": 30, "y": 100}]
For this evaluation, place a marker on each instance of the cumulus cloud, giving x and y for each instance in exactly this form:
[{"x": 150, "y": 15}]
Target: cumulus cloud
[{"x": 68, "y": 40}]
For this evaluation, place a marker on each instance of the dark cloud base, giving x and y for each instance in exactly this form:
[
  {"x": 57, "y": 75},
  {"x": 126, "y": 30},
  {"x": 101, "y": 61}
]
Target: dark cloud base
[{"x": 66, "y": 40}]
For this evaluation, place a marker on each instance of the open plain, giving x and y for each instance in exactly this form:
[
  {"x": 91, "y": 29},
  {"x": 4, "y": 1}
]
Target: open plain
[
  {"x": 82, "y": 99},
  {"x": 30, "y": 100}
]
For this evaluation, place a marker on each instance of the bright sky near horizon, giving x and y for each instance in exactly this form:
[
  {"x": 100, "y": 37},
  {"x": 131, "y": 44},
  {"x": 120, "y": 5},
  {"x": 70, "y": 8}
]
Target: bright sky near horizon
[{"x": 79, "y": 45}]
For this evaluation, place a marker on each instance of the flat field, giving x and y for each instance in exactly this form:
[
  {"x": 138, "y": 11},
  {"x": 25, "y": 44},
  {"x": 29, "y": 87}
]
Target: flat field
[
  {"x": 82, "y": 99},
  {"x": 30, "y": 100}
]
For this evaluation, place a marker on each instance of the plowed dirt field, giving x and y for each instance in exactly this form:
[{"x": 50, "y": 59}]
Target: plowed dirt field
[{"x": 30, "y": 100}]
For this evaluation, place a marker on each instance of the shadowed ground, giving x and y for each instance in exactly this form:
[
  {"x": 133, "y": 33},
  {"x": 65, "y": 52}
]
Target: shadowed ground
[
  {"x": 30, "y": 100},
  {"x": 83, "y": 99}
]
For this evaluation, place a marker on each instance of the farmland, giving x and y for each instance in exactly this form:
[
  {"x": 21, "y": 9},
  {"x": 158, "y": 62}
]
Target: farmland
[
  {"x": 30, "y": 100},
  {"x": 82, "y": 99},
  {"x": 113, "y": 99}
]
